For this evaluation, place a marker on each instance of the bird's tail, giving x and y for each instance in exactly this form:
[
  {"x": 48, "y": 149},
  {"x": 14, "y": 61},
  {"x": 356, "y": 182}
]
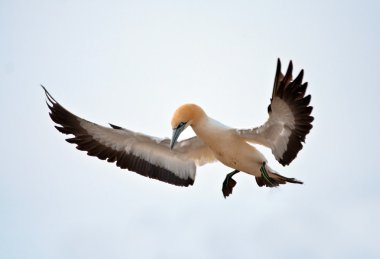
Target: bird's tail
[{"x": 272, "y": 179}]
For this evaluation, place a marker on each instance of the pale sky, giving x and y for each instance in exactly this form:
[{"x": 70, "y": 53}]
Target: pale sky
[{"x": 132, "y": 63}]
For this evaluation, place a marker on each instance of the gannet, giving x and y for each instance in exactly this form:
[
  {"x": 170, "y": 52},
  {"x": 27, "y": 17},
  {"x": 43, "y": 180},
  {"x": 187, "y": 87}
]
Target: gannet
[{"x": 175, "y": 162}]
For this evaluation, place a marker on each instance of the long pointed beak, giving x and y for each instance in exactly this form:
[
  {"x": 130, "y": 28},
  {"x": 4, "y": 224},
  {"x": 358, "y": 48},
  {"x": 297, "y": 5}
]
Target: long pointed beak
[{"x": 176, "y": 133}]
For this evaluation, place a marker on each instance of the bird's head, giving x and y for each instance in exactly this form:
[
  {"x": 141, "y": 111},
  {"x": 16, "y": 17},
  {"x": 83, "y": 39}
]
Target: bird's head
[{"x": 186, "y": 115}]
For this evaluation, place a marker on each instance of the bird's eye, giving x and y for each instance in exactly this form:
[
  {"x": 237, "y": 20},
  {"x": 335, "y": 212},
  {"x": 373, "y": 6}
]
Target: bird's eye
[{"x": 181, "y": 125}]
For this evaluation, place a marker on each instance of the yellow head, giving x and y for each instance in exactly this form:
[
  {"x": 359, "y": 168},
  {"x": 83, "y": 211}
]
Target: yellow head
[{"x": 184, "y": 116}]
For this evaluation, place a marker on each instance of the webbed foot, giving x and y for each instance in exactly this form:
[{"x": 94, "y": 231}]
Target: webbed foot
[{"x": 229, "y": 183}]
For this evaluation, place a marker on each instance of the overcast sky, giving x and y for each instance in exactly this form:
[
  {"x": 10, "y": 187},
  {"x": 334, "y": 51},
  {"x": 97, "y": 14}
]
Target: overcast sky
[{"x": 133, "y": 63}]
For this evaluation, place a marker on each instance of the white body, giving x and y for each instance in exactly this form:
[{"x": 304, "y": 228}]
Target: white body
[{"x": 229, "y": 147}]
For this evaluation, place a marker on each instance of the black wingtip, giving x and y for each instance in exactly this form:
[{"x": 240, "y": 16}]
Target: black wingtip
[
  {"x": 288, "y": 75},
  {"x": 114, "y": 126},
  {"x": 290, "y": 69},
  {"x": 278, "y": 69},
  {"x": 277, "y": 77},
  {"x": 298, "y": 79},
  {"x": 48, "y": 95}
]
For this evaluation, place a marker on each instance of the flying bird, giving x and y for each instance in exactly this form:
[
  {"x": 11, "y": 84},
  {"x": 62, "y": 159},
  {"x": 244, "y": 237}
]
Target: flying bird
[{"x": 175, "y": 162}]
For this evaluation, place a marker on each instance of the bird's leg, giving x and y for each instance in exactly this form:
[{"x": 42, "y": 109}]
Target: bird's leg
[
  {"x": 265, "y": 175},
  {"x": 229, "y": 183}
]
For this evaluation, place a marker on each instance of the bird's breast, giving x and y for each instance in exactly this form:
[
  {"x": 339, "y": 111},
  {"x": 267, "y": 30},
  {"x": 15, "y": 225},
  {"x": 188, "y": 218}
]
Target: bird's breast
[{"x": 227, "y": 148}]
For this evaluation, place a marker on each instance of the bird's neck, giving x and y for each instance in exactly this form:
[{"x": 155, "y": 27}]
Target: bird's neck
[{"x": 207, "y": 126}]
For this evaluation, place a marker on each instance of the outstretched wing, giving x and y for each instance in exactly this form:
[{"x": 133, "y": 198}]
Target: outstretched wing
[
  {"x": 289, "y": 117},
  {"x": 130, "y": 150}
]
